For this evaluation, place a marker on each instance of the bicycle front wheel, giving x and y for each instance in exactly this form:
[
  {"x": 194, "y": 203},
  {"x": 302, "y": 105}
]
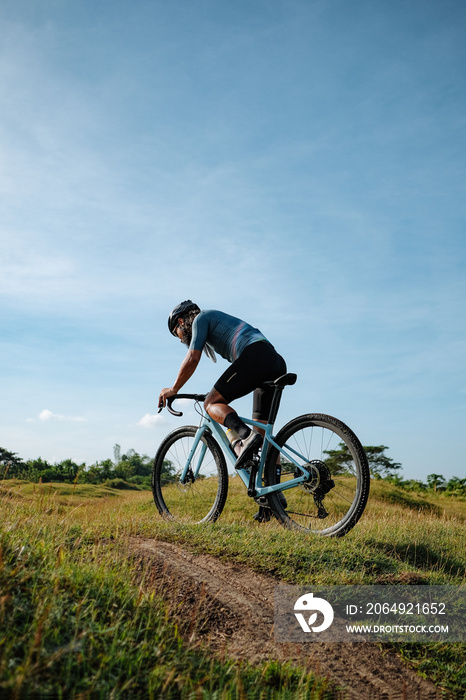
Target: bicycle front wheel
[
  {"x": 202, "y": 495},
  {"x": 334, "y": 496}
]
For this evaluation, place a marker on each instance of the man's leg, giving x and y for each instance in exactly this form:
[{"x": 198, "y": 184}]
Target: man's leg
[{"x": 218, "y": 409}]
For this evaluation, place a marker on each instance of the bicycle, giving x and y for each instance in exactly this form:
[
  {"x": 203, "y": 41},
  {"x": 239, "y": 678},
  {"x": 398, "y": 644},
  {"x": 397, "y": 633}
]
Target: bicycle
[{"x": 292, "y": 478}]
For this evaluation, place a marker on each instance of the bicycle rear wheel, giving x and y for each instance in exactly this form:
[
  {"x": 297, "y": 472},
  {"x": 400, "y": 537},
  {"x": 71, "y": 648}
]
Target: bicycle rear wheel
[
  {"x": 335, "y": 495},
  {"x": 202, "y": 497}
]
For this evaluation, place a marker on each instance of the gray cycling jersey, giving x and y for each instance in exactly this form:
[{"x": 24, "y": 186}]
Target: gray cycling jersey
[{"x": 226, "y": 334}]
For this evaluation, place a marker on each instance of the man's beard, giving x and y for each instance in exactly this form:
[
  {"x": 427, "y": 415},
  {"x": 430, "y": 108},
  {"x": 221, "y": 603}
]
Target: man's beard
[{"x": 187, "y": 334}]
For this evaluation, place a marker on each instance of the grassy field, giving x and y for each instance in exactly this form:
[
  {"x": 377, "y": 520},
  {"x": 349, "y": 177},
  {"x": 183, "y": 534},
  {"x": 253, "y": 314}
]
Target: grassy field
[{"x": 74, "y": 620}]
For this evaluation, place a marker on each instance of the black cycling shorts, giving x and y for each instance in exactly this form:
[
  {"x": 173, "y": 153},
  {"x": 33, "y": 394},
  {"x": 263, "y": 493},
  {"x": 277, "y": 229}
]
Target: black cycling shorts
[{"x": 258, "y": 363}]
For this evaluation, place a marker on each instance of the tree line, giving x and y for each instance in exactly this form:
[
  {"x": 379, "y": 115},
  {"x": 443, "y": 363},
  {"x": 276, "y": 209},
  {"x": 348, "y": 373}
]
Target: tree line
[
  {"x": 383, "y": 467},
  {"x": 130, "y": 468},
  {"x": 134, "y": 469}
]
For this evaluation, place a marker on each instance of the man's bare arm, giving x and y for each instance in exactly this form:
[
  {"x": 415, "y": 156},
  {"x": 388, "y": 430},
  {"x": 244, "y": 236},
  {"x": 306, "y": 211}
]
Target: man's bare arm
[{"x": 187, "y": 369}]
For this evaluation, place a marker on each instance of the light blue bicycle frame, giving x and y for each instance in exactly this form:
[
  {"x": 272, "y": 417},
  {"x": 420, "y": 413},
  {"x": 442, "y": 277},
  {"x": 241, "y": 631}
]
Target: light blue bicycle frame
[{"x": 211, "y": 426}]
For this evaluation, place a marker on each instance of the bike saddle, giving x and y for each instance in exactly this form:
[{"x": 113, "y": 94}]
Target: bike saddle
[{"x": 285, "y": 380}]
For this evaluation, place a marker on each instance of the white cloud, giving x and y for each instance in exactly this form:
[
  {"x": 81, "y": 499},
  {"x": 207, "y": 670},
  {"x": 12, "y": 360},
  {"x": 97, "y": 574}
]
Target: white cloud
[
  {"x": 47, "y": 415},
  {"x": 150, "y": 420}
]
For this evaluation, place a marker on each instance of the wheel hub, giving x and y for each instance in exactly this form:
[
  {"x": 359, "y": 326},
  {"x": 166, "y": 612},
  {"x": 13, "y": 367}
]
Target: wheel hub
[
  {"x": 189, "y": 478},
  {"x": 319, "y": 483}
]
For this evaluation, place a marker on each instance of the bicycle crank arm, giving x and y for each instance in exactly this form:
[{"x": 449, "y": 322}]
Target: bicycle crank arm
[{"x": 252, "y": 479}]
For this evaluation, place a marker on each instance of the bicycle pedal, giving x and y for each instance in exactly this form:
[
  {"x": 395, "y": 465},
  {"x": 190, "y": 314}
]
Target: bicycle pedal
[{"x": 263, "y": 515}]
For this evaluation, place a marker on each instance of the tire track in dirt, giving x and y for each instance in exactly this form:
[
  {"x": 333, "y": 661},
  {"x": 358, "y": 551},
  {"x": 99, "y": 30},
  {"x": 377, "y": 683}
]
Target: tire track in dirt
[{"x": 229, "y": 609}]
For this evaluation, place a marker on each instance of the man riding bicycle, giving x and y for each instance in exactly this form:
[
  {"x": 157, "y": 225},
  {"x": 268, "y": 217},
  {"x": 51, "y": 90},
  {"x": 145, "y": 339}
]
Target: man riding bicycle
[{"x": 253, "y": 361}]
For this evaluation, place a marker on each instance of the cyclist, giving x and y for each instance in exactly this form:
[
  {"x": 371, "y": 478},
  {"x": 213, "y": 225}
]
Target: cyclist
[{"x": 253, "y": 361}]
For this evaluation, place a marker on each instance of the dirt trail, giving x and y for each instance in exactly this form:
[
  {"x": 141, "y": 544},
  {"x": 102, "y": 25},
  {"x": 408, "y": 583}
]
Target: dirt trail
[{"x": 229, "y": 609}]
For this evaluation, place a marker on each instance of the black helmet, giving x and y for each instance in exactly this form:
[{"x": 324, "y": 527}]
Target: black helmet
[{"x": 179, "y": 312}]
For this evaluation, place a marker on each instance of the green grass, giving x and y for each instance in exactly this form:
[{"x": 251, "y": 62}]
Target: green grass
[
  {"x": 74, "y": 622},
  {"x": 399, "y": 540},
  {"x": 19, "y": 489},
  {"x": 390, "y": 543}
]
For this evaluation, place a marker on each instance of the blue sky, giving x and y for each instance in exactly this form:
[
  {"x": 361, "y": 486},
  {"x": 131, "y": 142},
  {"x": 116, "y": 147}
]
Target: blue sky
[{"x": 300, "y": 164}]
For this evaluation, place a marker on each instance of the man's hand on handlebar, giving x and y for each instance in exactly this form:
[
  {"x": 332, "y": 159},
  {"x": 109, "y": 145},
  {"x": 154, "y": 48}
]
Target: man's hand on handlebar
[
  {"x": 167, "y": 396},
  {"x": 164, "y": 395}
]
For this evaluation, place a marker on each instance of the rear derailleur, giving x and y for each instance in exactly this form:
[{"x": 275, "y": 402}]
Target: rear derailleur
[{"x": 320, "y": 482}]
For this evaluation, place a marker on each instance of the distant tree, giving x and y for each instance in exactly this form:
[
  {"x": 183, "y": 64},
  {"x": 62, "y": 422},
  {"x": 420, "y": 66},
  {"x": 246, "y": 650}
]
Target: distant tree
[
  {"x": 39, "y": 469},
  {"x": 11, "y": 465},
  {"x": 141, "y": 464},
  {"x": 7, "y": 457},
  {"x": 436, "y": 482},
  {"x": 340, "y": 460},
  {"x": 413, "y": 485},
  {"x": 116, "y": 454},
  {"x": 124, "y": 470},
  {"x": 395, "y": 479},
  {"x": 134, "y": 467},
  {"x": 106, "y": 469},
  {"x": 92, "y": 474},
  {"x": 379, "y": 463},
  {"x": 167, "y": 472},
  {"x": 69, "y": 469},
  {"x": 456, "y": 486}
]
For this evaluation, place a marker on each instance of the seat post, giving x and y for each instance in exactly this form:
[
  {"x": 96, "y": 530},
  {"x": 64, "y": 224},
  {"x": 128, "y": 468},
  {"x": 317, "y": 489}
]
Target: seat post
[
  {"x": 278, "y": 386},
  {"x": 277, "y": 395}
]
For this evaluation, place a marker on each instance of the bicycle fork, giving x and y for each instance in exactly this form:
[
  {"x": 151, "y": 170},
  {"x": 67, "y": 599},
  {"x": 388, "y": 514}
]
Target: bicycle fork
[{"x": 188, "y": 474}]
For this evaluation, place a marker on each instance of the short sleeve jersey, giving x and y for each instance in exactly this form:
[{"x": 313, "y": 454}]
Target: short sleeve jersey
[{"x": 227, "y": 335}]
